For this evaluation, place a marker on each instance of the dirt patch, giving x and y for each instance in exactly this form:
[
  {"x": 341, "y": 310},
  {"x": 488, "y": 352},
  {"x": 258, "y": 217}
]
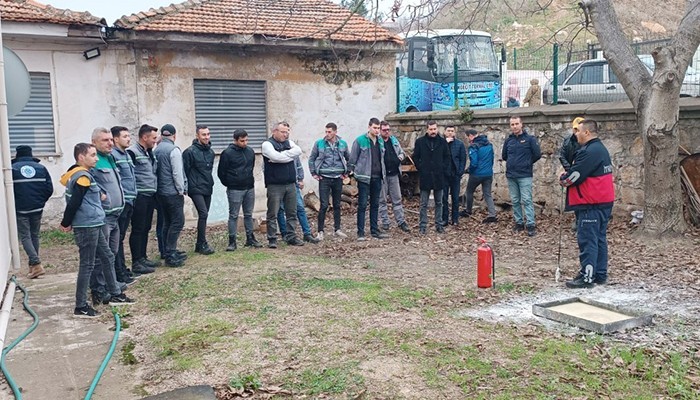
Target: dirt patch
[{"x": 402, "y": 317}]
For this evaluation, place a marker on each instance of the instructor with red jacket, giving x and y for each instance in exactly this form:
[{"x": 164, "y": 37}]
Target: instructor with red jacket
[{"x": 590, "y": 194}]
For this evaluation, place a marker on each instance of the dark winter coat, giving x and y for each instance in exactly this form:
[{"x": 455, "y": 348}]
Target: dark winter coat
[
  {"x": 198, "y": 162},
  {"x": 32, "y": 184},
  {"x": 236, "y": 167},
  {"x": 432, "y": 159},
  {"x": 458, "y": 158},
  {"x": 568, "y": 150}
]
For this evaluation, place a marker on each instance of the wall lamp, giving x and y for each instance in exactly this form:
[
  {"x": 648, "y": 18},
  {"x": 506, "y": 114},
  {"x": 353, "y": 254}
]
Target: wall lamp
[{"x": 92, "y": 53}]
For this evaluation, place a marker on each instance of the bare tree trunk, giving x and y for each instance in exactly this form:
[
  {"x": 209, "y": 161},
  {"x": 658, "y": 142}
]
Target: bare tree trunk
[{"x": 657, "y": 116}]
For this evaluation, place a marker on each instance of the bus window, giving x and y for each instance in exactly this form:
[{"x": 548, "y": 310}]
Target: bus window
[
  {"x": 420, "y": 59},
  {"x": 402, "y": 62}
]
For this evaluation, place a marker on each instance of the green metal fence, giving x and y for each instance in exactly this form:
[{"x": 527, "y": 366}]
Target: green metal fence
[{"x": 583, "y": 75}]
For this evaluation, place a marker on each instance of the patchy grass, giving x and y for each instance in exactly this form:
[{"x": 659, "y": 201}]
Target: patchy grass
[
  {"x": 167, "y": 294},
  {"x": 250, "y": 382},
  {"x": 128, "y": 357},
  {"x": 332, "y": 380},
  {"x": 370, "y": 327},
  {"x": 185, "y": 344},
  {"x": 55, "y": 237}
]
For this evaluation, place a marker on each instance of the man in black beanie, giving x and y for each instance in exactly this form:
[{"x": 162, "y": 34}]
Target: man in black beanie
[{"x": 33, "y": 188}]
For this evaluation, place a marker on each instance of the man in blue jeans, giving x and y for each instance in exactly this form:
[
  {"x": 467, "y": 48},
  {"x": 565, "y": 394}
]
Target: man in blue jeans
[
  {"x": 520, "y": 152},
  {"x": 33, "y": 188},
  {"x": 301, "y": 210},
  {"x": 366, "y": 163}
]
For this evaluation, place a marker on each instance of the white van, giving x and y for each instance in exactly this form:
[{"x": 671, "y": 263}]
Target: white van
[{"x": 593, "y": 81}]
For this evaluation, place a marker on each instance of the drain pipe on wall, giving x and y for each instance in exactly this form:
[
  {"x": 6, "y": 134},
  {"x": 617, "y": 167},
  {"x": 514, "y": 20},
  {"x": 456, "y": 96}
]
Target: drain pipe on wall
[
  {"x": 9, "y": 205},
  {"x": 7, "y": 173}
]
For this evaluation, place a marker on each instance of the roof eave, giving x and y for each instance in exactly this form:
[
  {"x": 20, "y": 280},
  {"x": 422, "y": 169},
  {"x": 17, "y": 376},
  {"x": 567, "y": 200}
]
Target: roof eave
[{"x": 143, "y": 37}]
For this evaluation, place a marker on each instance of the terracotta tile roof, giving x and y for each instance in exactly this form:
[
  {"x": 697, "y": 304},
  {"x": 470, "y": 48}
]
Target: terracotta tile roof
[
  {"x": 289, "y": 19},
  {"x": 32, "y": 11}
]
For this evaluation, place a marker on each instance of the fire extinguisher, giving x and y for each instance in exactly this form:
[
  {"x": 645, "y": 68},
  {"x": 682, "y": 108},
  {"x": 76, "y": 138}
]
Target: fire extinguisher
[{"x": 485, "y": 265}]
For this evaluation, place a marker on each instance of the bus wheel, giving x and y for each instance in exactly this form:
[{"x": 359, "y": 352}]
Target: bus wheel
[{"x": 411, "y": 109}]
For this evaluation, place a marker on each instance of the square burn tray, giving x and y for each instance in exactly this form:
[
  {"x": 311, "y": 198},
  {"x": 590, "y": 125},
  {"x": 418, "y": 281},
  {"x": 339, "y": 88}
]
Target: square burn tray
[{"x": 591, "y": 315}]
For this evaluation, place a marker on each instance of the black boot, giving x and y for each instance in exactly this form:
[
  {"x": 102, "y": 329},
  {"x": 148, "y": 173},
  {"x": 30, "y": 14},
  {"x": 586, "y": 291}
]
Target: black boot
[
  {"x": 232, "y": 246},
  {"x": 250, "y": 241},
  {"x": 204, "y": 248}
]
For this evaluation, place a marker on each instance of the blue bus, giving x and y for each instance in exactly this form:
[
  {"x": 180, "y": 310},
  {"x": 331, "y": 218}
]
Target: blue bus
[{"x": 426, "y": 71}]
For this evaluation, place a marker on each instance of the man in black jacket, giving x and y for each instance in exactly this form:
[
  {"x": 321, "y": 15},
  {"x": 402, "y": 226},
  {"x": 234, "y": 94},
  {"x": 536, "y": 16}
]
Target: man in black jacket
[
  {"x": 568, "y": 150},
  {"x": 432, "y": 158},
  {"x": 198, "y": 161},
  {"x": 236, "y": 173},
  {"x": 33, "y": 188}
]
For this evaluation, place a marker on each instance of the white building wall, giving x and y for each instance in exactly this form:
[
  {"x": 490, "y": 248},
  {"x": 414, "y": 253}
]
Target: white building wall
[
  {"x": 294, "y": 94},
  {"x": 132, "y": 87},
  {"x": 85, "y": 94}
]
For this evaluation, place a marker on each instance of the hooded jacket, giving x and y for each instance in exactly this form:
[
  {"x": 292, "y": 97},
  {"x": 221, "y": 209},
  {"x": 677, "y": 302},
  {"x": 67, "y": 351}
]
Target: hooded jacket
[
  {"x": 32, "y": 185},
  {"x": 481, "y": 157},
  {"x": 534, "y": 94},
  {"x": 236, "y": 166},
  {"x": 198, "y": 163},
  {"x": 83, "y": 199}
]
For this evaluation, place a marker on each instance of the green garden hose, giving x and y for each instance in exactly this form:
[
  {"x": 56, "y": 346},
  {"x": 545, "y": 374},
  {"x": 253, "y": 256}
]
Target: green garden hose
[
  {"x": 100, "y": 371},
  {"x": 25, "y": 304}
]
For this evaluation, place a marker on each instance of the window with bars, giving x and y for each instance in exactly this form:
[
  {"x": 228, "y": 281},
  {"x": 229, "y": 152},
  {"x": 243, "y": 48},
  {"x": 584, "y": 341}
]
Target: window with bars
[
  {"x": 227, "y": 105},
  {"x": 33, "y": 126}
]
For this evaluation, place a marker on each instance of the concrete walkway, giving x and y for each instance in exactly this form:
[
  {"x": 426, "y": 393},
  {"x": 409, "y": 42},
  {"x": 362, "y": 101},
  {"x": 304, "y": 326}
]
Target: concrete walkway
[{"x": 60, "y": 358}]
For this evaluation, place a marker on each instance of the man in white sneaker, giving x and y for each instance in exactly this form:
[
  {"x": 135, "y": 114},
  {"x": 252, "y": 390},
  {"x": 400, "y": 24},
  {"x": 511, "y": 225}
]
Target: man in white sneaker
[
  {"x": 328, "y": 164},
  {"x": 391, "y": 185}
]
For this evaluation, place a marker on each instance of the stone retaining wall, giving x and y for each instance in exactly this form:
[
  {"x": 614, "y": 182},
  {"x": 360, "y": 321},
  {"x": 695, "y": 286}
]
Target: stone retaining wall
[{"x": 551, "y": 124}]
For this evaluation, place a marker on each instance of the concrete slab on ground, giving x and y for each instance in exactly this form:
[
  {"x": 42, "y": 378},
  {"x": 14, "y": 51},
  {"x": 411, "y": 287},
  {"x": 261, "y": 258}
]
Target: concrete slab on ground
[{"x": 60, "y": 358}]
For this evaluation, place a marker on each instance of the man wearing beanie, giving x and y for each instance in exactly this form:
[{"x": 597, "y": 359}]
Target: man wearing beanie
[
  {"x": 32, "y": 187},
  {"x": 172, "y": 187}
]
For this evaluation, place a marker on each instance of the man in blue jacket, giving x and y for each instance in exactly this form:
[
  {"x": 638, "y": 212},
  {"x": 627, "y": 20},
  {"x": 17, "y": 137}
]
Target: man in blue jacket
[
  {"x": 480, "y": 172},
  {"x": 520, "y": 152},
  {"x": 453, "y": 176},
  {"x": 33, "y": 188}
]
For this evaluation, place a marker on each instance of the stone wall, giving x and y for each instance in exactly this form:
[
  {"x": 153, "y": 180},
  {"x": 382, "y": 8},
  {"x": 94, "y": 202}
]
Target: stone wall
[{"x": 551, "y": 124}]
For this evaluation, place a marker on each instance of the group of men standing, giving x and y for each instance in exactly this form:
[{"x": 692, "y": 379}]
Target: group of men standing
[{"x": 131, "y": 180}]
